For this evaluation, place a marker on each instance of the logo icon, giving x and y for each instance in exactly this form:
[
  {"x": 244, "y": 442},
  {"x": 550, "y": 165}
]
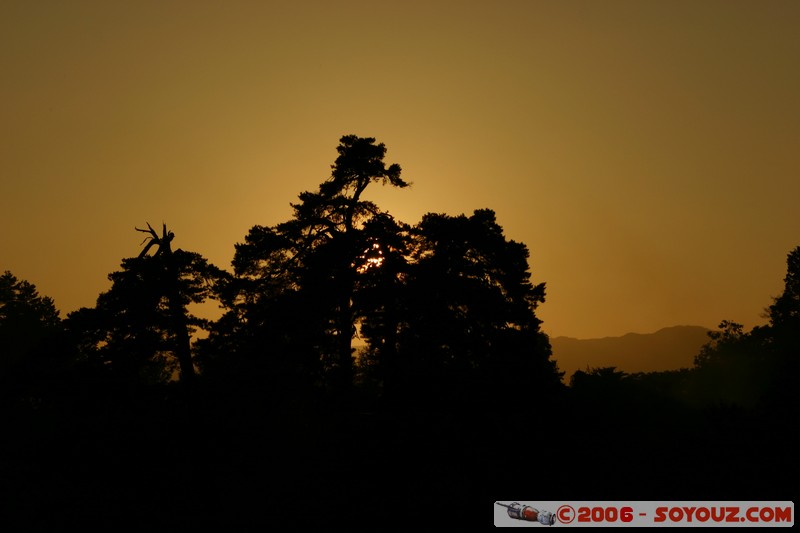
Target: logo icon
[{"x": 528, "y": 513}]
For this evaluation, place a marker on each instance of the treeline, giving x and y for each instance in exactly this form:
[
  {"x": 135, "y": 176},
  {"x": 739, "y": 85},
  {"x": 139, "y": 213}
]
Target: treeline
[
  {"x": 444, "y": 307},
  {"x": 276, "y": 413},
  {"x": 754, "y": 370}
]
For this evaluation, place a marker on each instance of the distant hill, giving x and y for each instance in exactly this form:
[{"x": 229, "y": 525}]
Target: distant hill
[{"x": 666, "y": 349}]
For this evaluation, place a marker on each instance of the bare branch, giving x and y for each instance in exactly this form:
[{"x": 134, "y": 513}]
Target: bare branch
[
  {"x": 151, "y": 231},
  {"x": 146, "y": 248},
  {"x": 153, "y": 238}
]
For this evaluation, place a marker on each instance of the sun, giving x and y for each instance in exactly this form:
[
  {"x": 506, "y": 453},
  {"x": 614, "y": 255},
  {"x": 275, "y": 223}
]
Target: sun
[{"x": 371, "y": 258}]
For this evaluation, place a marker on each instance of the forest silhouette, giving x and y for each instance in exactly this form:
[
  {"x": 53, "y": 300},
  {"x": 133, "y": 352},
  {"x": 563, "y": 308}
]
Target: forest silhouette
[{"x": 123, "y": 414}]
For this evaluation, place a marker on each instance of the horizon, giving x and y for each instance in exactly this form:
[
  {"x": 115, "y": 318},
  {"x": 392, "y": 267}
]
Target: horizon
[
  {"x": 644, "y": 153},
  {"x": 667, "y": 349},
  {"x": 636, "y": 332}
]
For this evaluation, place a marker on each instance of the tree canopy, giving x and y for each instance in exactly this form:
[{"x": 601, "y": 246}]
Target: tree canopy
[
  {"x": 140, "y": 329},
  {"x": 447, "y": 299},
  {"x": 29, "y": 327}
]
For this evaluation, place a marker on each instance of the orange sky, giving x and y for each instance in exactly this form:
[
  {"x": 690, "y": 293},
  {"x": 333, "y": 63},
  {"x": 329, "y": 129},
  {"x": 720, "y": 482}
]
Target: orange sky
[{"x": 648, "y": 153}]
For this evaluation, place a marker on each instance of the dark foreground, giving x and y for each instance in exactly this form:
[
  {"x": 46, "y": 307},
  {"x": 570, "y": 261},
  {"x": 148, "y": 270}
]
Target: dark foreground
[{"x": 222, "y": 463}]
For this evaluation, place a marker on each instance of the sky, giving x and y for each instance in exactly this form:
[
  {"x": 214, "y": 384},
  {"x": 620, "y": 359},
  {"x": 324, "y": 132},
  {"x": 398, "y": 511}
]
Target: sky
[{"x": 646, "y": 152}]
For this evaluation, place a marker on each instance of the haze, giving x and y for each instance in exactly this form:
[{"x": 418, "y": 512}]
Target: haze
[{"x": 645, "y": 152}]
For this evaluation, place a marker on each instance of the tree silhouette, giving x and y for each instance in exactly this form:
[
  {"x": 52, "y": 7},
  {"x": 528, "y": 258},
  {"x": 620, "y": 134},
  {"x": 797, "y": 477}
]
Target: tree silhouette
[
  {"x": 311, "y": 260},
  {"x": 169, "y": 285},
  {"x": 783, "y": 336},
  {"x": 24, "y": 314},
  {"x": 382, "y": 277},
  {"x": 757, "y": 367},
  {"x": 468, "y": 311},
  {"x": 449, "y": 299},
  {"x": 29, "y": 331},
  {"x": 143, "y": 322},
  {"x": 784, "y": 313}
]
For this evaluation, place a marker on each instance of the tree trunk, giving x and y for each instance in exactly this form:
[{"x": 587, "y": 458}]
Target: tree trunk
[
  {"x": 344, "y": 372},
  {"x": 180, "y": 329},
  {"x": 183, "y": 349}
]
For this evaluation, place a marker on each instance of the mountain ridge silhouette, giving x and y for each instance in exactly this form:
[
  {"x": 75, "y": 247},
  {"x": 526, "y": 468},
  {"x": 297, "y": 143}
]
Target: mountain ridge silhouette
[{"x": 669, "y": 348}]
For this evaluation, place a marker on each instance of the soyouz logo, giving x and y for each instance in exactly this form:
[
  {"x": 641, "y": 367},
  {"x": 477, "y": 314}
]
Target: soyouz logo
[
  {"x": 647, "y": 513},
  {"x": 531, "y": 514}
]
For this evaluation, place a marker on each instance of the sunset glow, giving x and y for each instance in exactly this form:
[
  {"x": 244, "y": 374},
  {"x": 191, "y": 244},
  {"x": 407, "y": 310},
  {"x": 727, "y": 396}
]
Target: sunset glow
[
  {"x": 645, "y": 152},
  {"x": 336, "y": 263}
]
